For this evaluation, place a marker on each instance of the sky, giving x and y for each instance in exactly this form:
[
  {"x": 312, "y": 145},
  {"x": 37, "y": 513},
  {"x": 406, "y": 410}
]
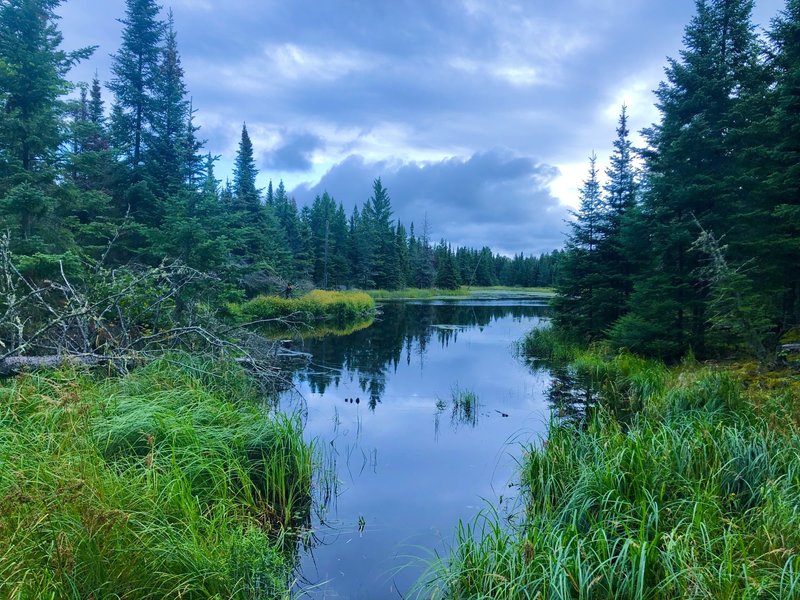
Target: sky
[{"x": 477, "y": 115}]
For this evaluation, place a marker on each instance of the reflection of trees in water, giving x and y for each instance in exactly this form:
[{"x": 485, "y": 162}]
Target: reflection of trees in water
[
  {"x": 402, "y": 330},
  {"x": 571, "y": 398}
]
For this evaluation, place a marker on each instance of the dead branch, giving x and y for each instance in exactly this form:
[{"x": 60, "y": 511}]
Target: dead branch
[{"x": 122, "y": 317}]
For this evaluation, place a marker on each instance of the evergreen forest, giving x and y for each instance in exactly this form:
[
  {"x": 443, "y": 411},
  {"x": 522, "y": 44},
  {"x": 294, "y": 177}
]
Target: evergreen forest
[
  {"x": 116, "y": 172},
  {"x": 692, "y": 243}
]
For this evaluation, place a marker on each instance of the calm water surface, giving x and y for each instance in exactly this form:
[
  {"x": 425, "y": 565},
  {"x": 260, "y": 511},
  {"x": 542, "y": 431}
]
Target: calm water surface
[{"x": 408, "y": 465}]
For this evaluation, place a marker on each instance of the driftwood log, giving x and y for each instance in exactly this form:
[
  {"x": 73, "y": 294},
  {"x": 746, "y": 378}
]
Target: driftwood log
[{"x": 16, "y": 365}]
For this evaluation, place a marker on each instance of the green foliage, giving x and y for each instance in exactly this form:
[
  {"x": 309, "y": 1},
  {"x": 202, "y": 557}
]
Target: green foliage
[
  {"x": 33, "y": 68},
  {"x": 135, "y": 70},
  {"x": 549, "y": 344}
]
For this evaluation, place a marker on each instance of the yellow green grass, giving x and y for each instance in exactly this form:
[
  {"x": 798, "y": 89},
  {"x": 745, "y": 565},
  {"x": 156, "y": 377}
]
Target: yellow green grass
[
  {"x": 168, "y": 483},
  {"x": 314, "y": 307}
]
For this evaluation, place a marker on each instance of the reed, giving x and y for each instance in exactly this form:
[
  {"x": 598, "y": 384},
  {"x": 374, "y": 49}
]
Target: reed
[
  {"x": 170, "y": 482},
  {"x": 465, "y": 407}
]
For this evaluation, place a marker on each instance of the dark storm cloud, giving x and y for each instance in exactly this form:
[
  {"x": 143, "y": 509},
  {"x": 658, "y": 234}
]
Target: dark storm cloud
[
  {"x": 493, "y": 195},
  {"x": 293, "y": 153}
]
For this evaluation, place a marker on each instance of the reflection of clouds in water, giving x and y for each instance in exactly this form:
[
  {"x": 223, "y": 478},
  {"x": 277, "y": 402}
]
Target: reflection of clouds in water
[
  {"x": 409, "y": 481},
  {"x": 403, "y": 334}
]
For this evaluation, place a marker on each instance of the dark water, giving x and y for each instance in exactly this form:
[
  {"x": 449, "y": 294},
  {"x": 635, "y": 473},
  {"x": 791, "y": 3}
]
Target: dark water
[{"x": 408, "y": 469}]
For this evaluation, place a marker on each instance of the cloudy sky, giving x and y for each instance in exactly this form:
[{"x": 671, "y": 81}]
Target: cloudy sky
[{"x": 478, "y": 115}]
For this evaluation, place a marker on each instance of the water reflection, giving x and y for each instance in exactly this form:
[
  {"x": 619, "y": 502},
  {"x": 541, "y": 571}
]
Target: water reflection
[
  {"x": 420, "y": 413},
  {"x": 404, "y": 330},
  {"x": 572, "y": 398}
]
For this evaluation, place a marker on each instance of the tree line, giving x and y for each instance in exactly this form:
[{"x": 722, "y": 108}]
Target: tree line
[
  {"x": 693, "y": 243},
  {"x": 129, "y": 182}
]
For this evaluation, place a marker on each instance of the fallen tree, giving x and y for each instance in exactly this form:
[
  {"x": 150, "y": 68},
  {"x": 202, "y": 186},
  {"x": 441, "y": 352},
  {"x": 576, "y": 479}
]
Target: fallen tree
[{"x": 122, "y": 317}]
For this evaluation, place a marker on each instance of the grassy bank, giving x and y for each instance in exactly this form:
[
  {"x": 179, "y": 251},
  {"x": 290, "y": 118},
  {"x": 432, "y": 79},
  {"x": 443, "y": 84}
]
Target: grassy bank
[
  {"x": 418, "y": 294},
  {"x": 462, "y": 292},
  {"x": 167, "y": 483},
  {"x": 318, "y": 306},
  {"x": 693, "y": 495}
]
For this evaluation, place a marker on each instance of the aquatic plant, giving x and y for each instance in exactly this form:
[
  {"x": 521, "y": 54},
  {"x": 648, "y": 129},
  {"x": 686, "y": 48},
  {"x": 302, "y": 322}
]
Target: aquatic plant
[{"x": 465, "y": 407}]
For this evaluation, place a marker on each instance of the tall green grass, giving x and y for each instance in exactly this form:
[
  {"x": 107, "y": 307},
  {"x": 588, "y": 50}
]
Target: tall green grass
[
  {"x": 465, "y": 407},
  {"x": 692, "y": 497},
  {"x": 168, "y": 483},
  {"x": 317, "y": 305},
  {"x": 549, "y": 344}
]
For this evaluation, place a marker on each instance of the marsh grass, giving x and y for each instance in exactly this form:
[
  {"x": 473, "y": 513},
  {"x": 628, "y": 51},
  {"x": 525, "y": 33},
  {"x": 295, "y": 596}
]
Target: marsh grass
[
  {"x": 167, "y": 483},
  {"x": 465, "y": 407},
  {"x": 694, "y": 496},
  {"x": 548, "y": 344},
  {"x": 418, "y": 294},
  {"x": 314, "y": 307}
]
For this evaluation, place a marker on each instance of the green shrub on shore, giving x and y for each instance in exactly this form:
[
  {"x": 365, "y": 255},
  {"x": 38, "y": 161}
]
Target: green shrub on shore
[
  {"x": 549, "y": 344},
  {"x": 316, "y": 306},
  {"x": 692, "y": 497},
  {"x": 167, "y": 483}
]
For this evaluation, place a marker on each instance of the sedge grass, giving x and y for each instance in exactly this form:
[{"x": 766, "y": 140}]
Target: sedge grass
[
  {"x": 314, "y": 307},
  {"x": 167, "y": 483},
  {"x": 695, "y": 496}
]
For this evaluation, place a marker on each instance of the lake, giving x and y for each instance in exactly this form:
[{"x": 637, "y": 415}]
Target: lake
[{"x": 408, "y": 460}]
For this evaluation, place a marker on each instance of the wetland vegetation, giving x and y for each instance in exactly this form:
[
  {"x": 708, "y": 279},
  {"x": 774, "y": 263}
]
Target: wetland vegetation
[
  {"x": 173, "y": 481},
  {"x": 669, "y": 483}
]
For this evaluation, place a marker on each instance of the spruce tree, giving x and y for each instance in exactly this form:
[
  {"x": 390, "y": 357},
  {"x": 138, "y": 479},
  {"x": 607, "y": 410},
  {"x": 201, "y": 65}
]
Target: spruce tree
[
  {"x": 33, "y": 68},
  {"x": 782, "y": 185},
  {"x": 134, "y": 71},
  {"x": 693, "y": 161},
  {"x": 384, "y": 266},
  {"x": 169, "y": 165},
  {"x": 576, "y": 303},
  {"x": 245, "y": 192},
  {"x": 615, "y": 283},
  {"x": 446, "y": 274}
]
